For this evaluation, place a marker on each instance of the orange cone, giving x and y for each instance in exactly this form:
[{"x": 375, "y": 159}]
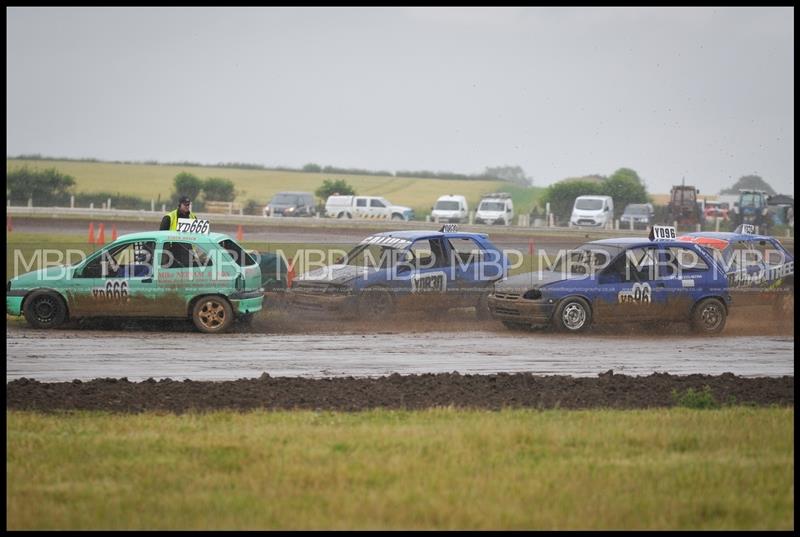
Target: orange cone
[
  {"x": 101, "y": 234},
  {"x": 113, "y": 232},
  {"x": 9, "y": 226},
  {"x": 239, "y": 233},
  {"x": 91, "y": 232},
  {"x": 290, "y": 276}
]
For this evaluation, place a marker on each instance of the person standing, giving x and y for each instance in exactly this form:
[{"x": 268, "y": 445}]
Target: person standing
[{"x": 184, "y": 210}]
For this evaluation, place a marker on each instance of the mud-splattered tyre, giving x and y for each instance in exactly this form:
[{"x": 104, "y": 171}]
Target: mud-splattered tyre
[
  {"x": 375, "y": 303},
  {"x": 511, "y": 325},
  {"x": 708, "y": 317},
  {"x": 45, "y": 309},
  {"x": 212, "y": 314},
  {"x": 572, "y": 315}
]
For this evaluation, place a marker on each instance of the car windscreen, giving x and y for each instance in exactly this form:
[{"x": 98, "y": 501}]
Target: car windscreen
[
  {"x": 375, "y": 256},
  {"x": 637, "y": 210},
  {"x": 589, "y": 258},
  {"x": 446, "y": 206},
  {"x": 589, "y": 205},
  {"x": 285, "y": 199},
  {"x": 492, "y": 206}
]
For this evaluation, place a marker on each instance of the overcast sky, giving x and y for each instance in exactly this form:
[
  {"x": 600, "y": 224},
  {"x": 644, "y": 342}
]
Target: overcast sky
[{"x": 705, "y": 93}]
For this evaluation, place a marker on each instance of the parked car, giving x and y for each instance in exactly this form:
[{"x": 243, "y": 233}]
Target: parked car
[
  {"x": 592, "y": 211},
  {"x": 496, "y": 208},
  {"x": 412, "y": 270},
  {"x": 366, "y": 207},
  {"x": 207, "y": 278},
  {"x": 623, "y": 280},
  {"x": 637, "y": 216},
  {"x": 291, "y": 204},
  {"x": 450, "y": 208}
]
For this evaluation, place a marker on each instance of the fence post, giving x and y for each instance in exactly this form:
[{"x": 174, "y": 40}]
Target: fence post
[
  {"x": 716, "y": 223},
  {"x": 72, "y": 202},
  {"x": 699, "y": 227},
  {"x": 30, "y": 202},
  {"x": 108, "y": 205},
  {"x": 91, "y": 205},
  {"x": 152, "y": 206},
  {"x": 163, "y": 207}
]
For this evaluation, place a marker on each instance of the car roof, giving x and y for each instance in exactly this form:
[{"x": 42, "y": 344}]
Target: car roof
[
  {"x": 728, "y": 236},
  {"x": 632, "y": 242},
  {"x": 422, "y": 234},
  {"x": 143, "y": 235}
]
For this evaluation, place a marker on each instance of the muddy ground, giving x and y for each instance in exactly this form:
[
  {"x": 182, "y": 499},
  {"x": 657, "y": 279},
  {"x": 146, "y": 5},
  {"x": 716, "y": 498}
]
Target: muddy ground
[{"x": 395, "y": 391}]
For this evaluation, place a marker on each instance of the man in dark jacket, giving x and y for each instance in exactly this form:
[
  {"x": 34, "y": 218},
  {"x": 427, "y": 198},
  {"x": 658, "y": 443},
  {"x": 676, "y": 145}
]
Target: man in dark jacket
[{"x": 170, "y": 220}]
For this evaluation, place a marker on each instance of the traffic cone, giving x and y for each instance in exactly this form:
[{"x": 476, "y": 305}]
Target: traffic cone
[
  {"x": 239, "y": 233},
  {"x": 101, "y": 235},
  {"x": 113, "y": 232},
  {"x": 9, "y": 226},
  {"x": 290, "y": 276},
  {"x": 91, "y": 232}
]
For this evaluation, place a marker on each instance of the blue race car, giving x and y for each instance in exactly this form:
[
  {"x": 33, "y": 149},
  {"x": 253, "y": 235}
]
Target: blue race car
[
  {"x": 760, "y": 270},
  {"x": 395, "y": 270},
  {"x": 618, "y": 281}
]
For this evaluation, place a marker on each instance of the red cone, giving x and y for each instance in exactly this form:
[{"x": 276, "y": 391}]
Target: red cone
[
  {"x": 290, "y": 276},
  {"x": 113, "y": 232},
  {"x": 91, "y": 232},
  {"x": 101, "y": 235}
]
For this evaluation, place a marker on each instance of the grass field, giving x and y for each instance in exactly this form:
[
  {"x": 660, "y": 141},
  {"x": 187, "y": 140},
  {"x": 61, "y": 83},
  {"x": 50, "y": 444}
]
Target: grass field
[
  {"x": 731, "y": 468},
  {"x": 152, "y": 181}
]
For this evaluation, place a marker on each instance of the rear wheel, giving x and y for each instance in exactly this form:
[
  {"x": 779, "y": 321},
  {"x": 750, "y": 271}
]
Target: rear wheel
[
  {"x": 375, "y": 303},
  {"x": 212, "y": 314},
  {"x": 573, "y": 315},
  {"x": 45, "y": 309},
  {"x": 708, "y": 316}
]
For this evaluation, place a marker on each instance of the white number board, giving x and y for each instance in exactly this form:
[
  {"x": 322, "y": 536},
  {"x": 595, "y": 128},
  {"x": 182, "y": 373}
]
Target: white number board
[
  {"x": 186, "y": 225},
  {"x": 663, "y": 233}
]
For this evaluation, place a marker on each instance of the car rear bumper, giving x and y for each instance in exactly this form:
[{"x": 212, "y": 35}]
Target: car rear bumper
[
  {"x": 520, "y": 310},
  {"x": 243, "y": 306}
]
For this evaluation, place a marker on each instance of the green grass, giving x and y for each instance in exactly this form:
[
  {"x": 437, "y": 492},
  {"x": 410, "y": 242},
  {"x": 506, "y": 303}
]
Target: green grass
[
  {"x": 730, "y": 468},
  {"x": 151, "y": 181}
]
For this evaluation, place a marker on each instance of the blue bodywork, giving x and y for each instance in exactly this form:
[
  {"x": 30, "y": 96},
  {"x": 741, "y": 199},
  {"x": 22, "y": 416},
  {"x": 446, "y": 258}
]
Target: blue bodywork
[
  {"x": 420, "y": 269},
  {"x": 621, "y": 280}
]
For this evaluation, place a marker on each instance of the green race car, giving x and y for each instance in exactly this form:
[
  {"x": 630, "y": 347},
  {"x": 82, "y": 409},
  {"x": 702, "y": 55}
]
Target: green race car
[{"x": 158, "y": 274}]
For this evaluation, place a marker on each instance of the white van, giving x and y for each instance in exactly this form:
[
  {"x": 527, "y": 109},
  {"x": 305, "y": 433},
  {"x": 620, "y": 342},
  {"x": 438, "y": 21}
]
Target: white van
[
  {"x": 496, "y": 208},
  {"x": 592, "y": 211},
  {"x": 450, "y": 209}
]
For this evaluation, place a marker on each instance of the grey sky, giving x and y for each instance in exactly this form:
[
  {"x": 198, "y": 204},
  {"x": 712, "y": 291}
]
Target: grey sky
[{"x": 706, "y": 93}]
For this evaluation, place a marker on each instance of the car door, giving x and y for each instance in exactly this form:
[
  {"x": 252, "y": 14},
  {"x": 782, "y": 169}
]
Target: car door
[
  {"x": 467, "y": 270},
  {"x": 428, "y": 278},
  {"x": 121, "y": 281},
  {"x": 624, "y": 289},
  {"x": 682, "y": 278},
  {"x": 361, "y": 208},
  {"x": 184, "y": 270},
  {"x": 377, "y": 209}
]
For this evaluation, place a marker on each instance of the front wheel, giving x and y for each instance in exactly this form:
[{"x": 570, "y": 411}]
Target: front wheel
[
  {"x": 212, "y": 314},
  {"x": 375, "y": 303},
  {"x": 573, "y": 315},
  {"x": 396, "y": 216},
  {"x": 45, "y": 309},
  {"x": 708, "y": 317}
]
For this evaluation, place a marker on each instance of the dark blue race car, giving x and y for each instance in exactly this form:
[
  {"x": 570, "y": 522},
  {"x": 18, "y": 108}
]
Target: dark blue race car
[
  {"x": 759, "y": 269},
  {"x": 415, "y": 270},
  {"x": 618, "y": 281}
]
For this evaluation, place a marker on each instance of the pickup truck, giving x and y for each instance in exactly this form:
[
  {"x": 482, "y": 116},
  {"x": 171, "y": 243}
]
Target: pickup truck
[{"x": 366, "y": 207}]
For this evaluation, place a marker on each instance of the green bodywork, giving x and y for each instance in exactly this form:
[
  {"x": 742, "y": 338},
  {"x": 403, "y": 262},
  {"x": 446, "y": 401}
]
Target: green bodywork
[{"x": 150, "y": 285}]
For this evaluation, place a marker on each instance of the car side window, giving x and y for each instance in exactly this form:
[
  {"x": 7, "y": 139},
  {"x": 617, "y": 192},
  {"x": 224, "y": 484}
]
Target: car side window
[
  {"x": 465, "y": 251},
  {"x": 376, "y": 203},
  {"x": 682, "y": 259},
  {"x": 183, "y": 255},
  {"x": 132, "y": 259},
  {"x": 427, "y": 253},
  {"x": 361, "y": 202}
]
